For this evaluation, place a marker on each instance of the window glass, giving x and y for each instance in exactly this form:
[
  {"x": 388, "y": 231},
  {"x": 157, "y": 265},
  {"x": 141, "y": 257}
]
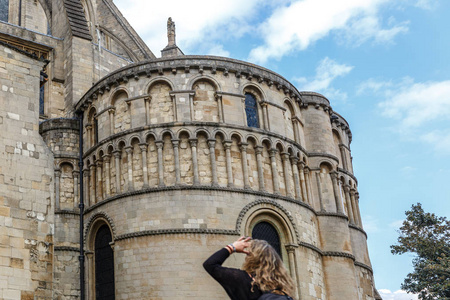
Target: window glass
[
  {"x": 251, "y": 110},
  {"x": 265, "y": 231},
  {"x": 4, "y": 10}
]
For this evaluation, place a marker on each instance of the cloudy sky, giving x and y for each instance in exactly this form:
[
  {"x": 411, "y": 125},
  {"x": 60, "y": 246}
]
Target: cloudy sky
[{"x": 384, "y": 65}]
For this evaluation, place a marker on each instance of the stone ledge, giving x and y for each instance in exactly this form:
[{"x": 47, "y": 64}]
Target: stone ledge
[
  {"x": 65, "y": 248},
  {"x": 357, "y": 228},
  {"x": 176, "y": 231}
]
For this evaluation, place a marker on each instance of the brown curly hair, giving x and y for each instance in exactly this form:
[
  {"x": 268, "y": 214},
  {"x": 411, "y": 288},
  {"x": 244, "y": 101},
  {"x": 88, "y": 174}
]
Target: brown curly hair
[{"x": 267, "y": 268}]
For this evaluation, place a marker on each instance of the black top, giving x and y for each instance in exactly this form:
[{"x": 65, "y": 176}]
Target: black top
[{"x": 237, "y": 283}]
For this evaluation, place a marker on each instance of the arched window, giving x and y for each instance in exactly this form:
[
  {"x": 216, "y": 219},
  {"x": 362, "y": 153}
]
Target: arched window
[
  {"x": 251, "y": 110},
  {"x": 4, "y": 10},
  {"x": 104, "y": 265},
  {"x": 265, "y": 231}
]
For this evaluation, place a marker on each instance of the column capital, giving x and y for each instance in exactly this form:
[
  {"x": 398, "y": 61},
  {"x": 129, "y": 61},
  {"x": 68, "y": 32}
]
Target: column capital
[
  {"x": 111, "y": 110},
  {"x": 259, "y": 149},
  {"x": 273, "y": 152},
  {"x": 352, "y": 191},
  {"x": 291, "y": 248},
  {"x": 117, "y": 153},
  {"x": 243, "y": 146},
  {"x": 227, "y": 144},
  {"x": 57, "y": 172},
  {"x": 294, "y": 160},
  {"x": 107, "y": 158},
  {"x": 75, "y": 173},
  {"x": 306, "y": 170},
  {"x": 159, "y": 144},
  {"x": 193, "y": 142},
  {"x": 334, "y": 175},
  {"x": 175, "y": 143},
  {"x": 143, "y": 147},
  {"x": 346, "y": 188},
  {"x": 285, "y": 156},
  {"x": 99, "y": 162},
  {"x": 129, "y": 149},
  {"x": 211, "y": 143}
]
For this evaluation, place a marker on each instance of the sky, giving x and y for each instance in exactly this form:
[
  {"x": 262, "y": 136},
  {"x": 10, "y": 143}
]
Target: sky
[{"x": 385, "y": 67}]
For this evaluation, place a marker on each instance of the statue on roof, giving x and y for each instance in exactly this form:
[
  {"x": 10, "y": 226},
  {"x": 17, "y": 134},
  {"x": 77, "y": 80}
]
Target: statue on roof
[{"x": 171, "y": 32}]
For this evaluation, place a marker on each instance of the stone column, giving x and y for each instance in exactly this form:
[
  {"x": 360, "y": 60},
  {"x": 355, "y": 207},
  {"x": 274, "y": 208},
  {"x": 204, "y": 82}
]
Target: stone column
[
  {"x": 337, "y": 198},
  {"x": 355, "y": 209},
  {"x": 303, "y": 181},
  {"x": 143, "y": 147},
  {"x": 191, "y": 105},
  {"x": 294, "y": 166},
  {"x": 273, "y": 164},
  {"x": 193, "y": 143},
  {"x": 220, "y": 107},
  {"x": 176, "y": 154},
  {"x": 227, "y": 146},
  {"x": 243, "y": 147},
  {"x": 319, "y": 189},
  {"x": 130, "y": 115},
  {"x": 147, "y": 109},
  {"x": 99, "y": 165},
  {"x": 344, "y": 157},
  {"x": 87, "y": 188},
  {"x": 90, "y": 272},
  {"x": 76, "y": 189},
  {"x": 117, "y": 154},
  {"x": 212, "y": 155},
  {"x": 265, "y": 116},
  {"x": 349, "y": 204},
  {"x": 57, "y": 188},
  {"x": 287, "y": 182},
  {"x": 89, "y": 135},
  {"x": 174, "y": 107},
  {"x": 308, "y": 185},
  {"x": 292, "y": 265},
  {"x": 93, "y": 185},
  {"x": 107, "y": 160},
  {"x": 111, "y": 112},
  {"x": 159, "y": 146},
  {"x": 129, "y": 151},
  {"x": 258, "y": 151}
]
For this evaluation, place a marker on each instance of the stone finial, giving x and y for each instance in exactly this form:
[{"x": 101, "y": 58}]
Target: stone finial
[{"x": 171, "y": 32}]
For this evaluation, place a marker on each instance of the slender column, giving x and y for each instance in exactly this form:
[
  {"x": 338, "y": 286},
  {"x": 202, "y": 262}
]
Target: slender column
[
  {"x": 265, "y": 116},
  {"x": 219, "y": 106},
  {"x": 76, "y": 191},
  {"x": 337, "y": 196},
  {"x": 89, "y": 135},
  {"x": 129, "y": 150},
  {"x": 294, "y": 166},
  {"x": 93, "y": 186},
  {"x": 319, "y": 188},
  {"x": 147, "y": 109},
  {"x": 193, "y": 143},
  {"x": 355, "y": 209},
  {"x": 159, "y": 146},
  {"x": 107, "y": 160},
  {"x": 303, "y": 181},
  {"x": 212, "y": 155},
  {"x": 308, "y": 185},
  {"x": 259, "y": 150},
  {"x": 57, "y": 188},
  {"x": 273, "y": 164},
  {"x": 349, "y": 204},
  {"x": 143, "y": 147},
  {"x": 295, "y": 127},
  {"x": 287, "y": 182},
  {"x": 111, "y": 120},
  {"x": 130, "y": 115},
  {"x": 176, "y": 153},
  {"x": 344, "y": 157},
  {"x": 227, "y": 146},
  {"x": 292, "y": 268},
  {"x": 191, "y": 105},
  {"x": 117, "y": 154},
  {"x": 87, "y": 186},
  {"x": 174, "y": 107},
  {"x": 244, "y": 165},
  {"x": 99, "y": 165},
  {"x": 244, "y": 114}
]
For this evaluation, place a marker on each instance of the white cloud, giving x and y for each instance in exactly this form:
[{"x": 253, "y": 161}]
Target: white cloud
[
  {"x": 199, "y": 23},
  {"x": 300, "y": 24},
  {"x": 397, "y": 295},
  {"x": 370, "y": 224},
  {"x": 396, "y": 224},
  {"x": 327, "y": 71},
  {"x": 421, "y": 110}
]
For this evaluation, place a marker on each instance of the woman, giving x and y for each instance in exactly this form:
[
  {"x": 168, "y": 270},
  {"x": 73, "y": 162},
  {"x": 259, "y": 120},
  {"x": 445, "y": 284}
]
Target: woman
[{"x": 263, "y": 271}]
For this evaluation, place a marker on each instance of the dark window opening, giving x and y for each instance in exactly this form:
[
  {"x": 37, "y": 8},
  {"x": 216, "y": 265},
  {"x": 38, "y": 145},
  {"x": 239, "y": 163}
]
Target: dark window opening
[
  {"x": 265, "y": 231},
  {"x": 104, "y": 265},
  {"x": 4, "y": 10},
  {"x": 251, "y": 110},
  {"x": 43, "y": 80}
]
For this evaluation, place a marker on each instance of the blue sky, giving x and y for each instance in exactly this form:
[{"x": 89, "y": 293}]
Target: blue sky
[{"x": 385, "y": 67}]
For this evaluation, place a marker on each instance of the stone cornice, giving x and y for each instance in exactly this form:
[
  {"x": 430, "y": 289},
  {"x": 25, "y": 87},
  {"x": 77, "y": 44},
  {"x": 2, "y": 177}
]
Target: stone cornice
[
  {"x": 319, "y": 154},
  {"x": 364, "y": 266},
  {"x": 66, "y": 212},
  {"x": 357, "y": 228},
  {"x": 176, "y": 231},
  {"x": 66, "y": 248},
  {"x": 331, "y": 214},
  {"x": 339, "y": 254},
  {"x": 58, "y": 124}
]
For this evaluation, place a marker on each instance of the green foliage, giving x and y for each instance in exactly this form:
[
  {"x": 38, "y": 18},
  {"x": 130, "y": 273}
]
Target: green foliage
[{"x": 428, "y": 237}]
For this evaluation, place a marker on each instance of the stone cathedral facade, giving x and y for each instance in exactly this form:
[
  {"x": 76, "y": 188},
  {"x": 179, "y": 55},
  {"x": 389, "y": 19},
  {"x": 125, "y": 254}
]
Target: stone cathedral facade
[{"x": 180, "y": 156}]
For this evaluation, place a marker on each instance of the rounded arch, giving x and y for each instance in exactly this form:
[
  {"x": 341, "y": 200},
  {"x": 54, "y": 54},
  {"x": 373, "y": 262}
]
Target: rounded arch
[
  {"x": 327, "y": 163},
  {"x": 120, "y": 143},
  {"x": 280, "y": 146},
  {"x": 255, "y": 90},
  {"x": 116, "y": 93},
  {"x": 201, "y": 131},
  {"x": 238, "y": 136},
  {"x": 223, "y": 134},
  {"x": 157, "y": 80},
  {"x": 63, "y": 162},
  {"x": 207, "y": 78},
  {"x": 149, "y": 134},
  {"x": 266, "y": 141},
  {"x": 93, "y": 224},
  {"x": 165, "y": 132},
  {"x": 133, "y": 138},
  {"x": 183, "y": 131}
]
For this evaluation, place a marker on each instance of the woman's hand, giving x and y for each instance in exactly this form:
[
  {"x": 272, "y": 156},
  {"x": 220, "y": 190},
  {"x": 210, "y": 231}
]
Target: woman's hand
[{"x": 242, "y": 243}]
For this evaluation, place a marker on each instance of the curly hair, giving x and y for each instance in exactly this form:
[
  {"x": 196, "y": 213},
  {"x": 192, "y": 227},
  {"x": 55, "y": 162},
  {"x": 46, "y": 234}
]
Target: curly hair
[{"x": 267, "y": 268}]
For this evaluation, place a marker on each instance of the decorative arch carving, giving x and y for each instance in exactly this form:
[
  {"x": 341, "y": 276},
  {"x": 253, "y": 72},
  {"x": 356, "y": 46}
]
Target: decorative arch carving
[{"x": 102, "y": 218}]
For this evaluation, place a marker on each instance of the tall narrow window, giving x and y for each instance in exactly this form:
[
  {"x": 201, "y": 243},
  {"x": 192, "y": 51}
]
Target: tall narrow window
[
  {"x": 104, "y": 265},
  {"x": 251, "y": 110},
  {"x": 265, "y": 231},
  {"x": 4, "y": 10}
]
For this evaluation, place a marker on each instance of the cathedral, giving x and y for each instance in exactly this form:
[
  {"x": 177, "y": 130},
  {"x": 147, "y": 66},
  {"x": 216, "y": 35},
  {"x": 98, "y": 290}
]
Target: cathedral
[{"x": 121, "y": 172}]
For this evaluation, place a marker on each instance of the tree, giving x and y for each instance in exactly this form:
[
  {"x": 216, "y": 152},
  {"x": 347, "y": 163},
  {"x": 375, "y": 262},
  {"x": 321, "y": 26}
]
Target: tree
[{"x": 428, "y": 237}]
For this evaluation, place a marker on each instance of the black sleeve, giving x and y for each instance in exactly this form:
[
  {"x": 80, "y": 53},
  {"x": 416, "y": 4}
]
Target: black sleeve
[{"x": 225, "y": 276}]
